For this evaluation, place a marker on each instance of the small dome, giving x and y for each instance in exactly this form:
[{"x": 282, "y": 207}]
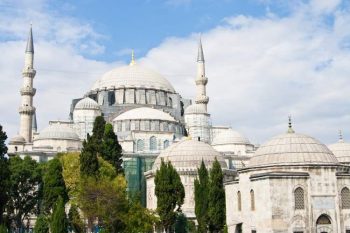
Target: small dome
[
  {"x": 229, "y": 136},
  {"x": 195, "y": 109},
  {"x": 58, "y": 130},
  {"x": 292, "y": 148},
  {"x": 87, "y": 104},
  {"x": 188, "y": 154},
  {"x": 133, "y": 76},
  {"x": 144, "y": 113},
  {"x": 341, "y": 150},
  {"x": 18, "y": 139}
]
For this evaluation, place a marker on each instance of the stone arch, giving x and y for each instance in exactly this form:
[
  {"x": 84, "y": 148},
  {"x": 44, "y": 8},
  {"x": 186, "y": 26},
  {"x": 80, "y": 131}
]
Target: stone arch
[
  {"x": 324, "y": 224},
  {"x": 252, "y": 200}
]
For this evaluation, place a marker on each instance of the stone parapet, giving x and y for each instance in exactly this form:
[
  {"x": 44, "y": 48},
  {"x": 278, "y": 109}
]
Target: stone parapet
[
  {"x": 28, "y": 91},
  {"x": 26, "y": 110}
]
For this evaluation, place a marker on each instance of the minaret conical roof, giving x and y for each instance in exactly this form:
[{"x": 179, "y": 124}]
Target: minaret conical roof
[{"x": 30, "y": 44}]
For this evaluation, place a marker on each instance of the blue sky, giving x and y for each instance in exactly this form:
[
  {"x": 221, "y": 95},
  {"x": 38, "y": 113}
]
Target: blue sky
[{"x": 265, "y": 59}]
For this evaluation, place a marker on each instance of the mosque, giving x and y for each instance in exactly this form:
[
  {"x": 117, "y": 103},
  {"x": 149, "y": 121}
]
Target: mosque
[{"x": 292, "y": 183}]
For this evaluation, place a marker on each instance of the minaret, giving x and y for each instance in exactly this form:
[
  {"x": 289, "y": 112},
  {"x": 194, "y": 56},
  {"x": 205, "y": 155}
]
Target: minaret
[
  {"x": 26, "y": 110},
  {"x": 201, "y": 80}
]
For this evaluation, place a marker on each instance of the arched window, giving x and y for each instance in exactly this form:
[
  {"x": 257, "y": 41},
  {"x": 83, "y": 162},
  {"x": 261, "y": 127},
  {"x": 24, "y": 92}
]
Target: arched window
[
  {"x": 345, "y": 198},
  {"x": 140, "y": 145},
  {"x": 166, "y": 144},
  {"x": 323, "y": 220},
  {"x": 252, "y": 200},
  {"x": 299, "y": 199},
  {"x": 153, "y": 143},
  {"x": 239, "y": 201},
  {"x": 170, "y": 102}
]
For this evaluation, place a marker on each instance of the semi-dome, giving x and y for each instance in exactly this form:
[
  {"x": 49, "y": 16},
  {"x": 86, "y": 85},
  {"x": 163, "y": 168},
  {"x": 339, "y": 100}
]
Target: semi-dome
[
  {"x": 18, "y": 139},
  {"x": 87, "y": 104},
  {"x": 188, "y": 154},
  {"x": 229, "y": 136},
  {"x": 144, "y": 113},
  {"x": 341, "y": 150},
  {"x": 292, "y": 149},
  {"x": 133, "y": 76},
  {"x": 195, "y": 109},
  {"x": 59, "y": 131}
]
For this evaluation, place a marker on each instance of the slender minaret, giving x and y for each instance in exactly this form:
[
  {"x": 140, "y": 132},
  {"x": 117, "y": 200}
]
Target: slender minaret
[
  {"x": 26, "y": 110},
  {"x": 201, "y": 80}
]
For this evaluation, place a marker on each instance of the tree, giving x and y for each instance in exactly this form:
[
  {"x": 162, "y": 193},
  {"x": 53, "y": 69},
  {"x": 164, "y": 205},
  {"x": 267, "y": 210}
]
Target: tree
[
  {"x": 54, "y": 185},
  {"x": 170, "y": 194},
  {"x": 25, "y": 177},
  {"x": 59, "y": 222},
  {"x": 111, "y": 150},
  {"x": 181, "y": 224},
  {"x": 4, "y": 174},
  {"x": 216, "y": 208},
  {"x": 106, "y": 201},
  {"x": 201, "y": 192},
  {"x": 3, "y": 228},
  {"x": 75, "y": 222},
  {"x": 140, "y": 219},
  {"x": 98, "y": 130},
  {"x": 41, "y": 225},
  {"x": 88, "y": 158}
]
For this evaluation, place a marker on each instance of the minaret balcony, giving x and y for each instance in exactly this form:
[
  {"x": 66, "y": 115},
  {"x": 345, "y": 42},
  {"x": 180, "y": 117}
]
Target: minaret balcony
[
  {"x": 29, "y": 72},
  {"x": 201, "y": 81},
  {"x": 202, "y": 99},
  {"x": 28, "y": 91},
  {"x": 30, "y": 110}
]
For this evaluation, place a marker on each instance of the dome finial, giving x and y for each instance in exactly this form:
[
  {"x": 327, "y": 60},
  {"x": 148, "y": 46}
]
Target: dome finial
[
  {"x": 132, "y": 62},
  {"x": 341, "y": 136},
  {"x": 290, "y": 128}
]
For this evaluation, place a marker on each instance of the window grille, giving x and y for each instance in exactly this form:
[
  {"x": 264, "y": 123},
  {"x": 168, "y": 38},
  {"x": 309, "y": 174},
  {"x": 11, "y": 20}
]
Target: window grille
[
  {"x": 140, "y": 145},
  {"x": 239, "y": 201},
  {"x": 299, "y": 199},
  {"x": 345, "y": 198},
  {"x": 252, "y": 200},
  {"x": 153, "y": 143}
]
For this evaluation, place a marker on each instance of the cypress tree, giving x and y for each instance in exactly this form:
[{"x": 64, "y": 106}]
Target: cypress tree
[
  {"x": 170, "y": 194},
  {"x": 217, "y": 207},
  {"x": 111, "y": 150},
  {"x": 98, "y": 130},
  {"x": 59, "y": 222},
  {"x": 88, "y": 158},
  {"x": 201, "y": 192},
  {"x": 4, "y": 174},
  {"x": 54, "y": 185},
  {"x": 41, "y": 225}
]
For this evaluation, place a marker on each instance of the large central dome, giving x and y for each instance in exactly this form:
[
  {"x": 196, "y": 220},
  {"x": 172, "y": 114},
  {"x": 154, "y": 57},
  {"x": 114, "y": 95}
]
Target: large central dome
[{"x": 133, "y": 76}]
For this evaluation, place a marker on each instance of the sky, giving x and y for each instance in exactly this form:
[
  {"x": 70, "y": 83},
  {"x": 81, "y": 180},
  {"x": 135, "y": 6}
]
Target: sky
[{"x": 265, "y": 59}]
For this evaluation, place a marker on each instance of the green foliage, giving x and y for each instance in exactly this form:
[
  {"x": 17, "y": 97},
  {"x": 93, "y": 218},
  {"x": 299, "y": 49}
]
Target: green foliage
[
  {"x": 25, "y": 177},
  {"x": 105, "y": 200},
  {"x": 41, "y": 225},
  {"x": 59, "y": 222},
  {"x": 181, "y": 224},
  {"x": 140, "y": 219},
  {"x": 88, "y": 158},
  {"x": 111, "y": 150},
  {"x": 170, "y": 194},
  {"x": 201, "y": 192},
  {"x": 217, "y": 208},
  {"x": 76, "y": 223},
  {"x": 4, "y": 174},
  {"x": 3, "y": 229},
  {"x": 98, "y": 130},
  {"x": 54, "y": 185}
]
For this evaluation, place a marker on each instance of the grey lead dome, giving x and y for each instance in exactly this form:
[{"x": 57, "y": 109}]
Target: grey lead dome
[
  {"x": 133, "y": 76},
  {"x": 292, "y": 149},
  {"x": 188, "y": 154}
]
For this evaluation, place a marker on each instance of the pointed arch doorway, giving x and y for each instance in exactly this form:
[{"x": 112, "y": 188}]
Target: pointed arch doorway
[{"x": 324, "y": 224}]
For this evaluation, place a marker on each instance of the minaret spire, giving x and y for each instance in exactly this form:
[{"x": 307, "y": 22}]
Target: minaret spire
[
  {"x": 27, "y": 110},
  {"x": 341, "y": 136},
  {"x": 201, "y": 80},
  {"x": 132, "y": 62}
]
